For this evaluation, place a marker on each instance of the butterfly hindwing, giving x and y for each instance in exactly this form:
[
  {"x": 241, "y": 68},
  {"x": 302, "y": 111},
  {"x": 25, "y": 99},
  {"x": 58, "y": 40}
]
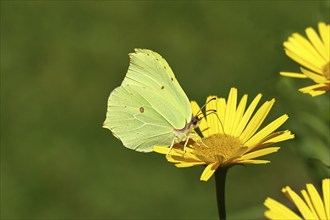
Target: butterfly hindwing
[{"x": 135, "y": 122}]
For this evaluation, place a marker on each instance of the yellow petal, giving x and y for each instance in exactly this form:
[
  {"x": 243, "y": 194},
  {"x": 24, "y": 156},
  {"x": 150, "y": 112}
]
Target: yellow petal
[
  {"x": 305, "y": 63},
  {"x": 315, "y": 77},
  {"x": 300, "y": 204},
  {"x": 303, "y": 49},
  {"x": 239, "y": 152},
  {"x": 309, "y": 51},
  {"x": 208, "y": 171},
  {"x": 185, "y": 165},
  {"x": 325, "y": 36},
  {"x": 316, "y": 200},
  {"x": 181, "y": 159},
  {"x": 160, "y": 149},
  {"x": 179, "y": 155},
  {"x": 235, "y": 156},
  {"x": 239, "y": 113},
  {"x": 194, "y": 107},
  {"x": 260, "y": 135},
  {"x": 313, "y": 89},
  {"x": 188, "y": 154},
  {"x": 253, "y": 161},
  {"x": 221, "y": 111},
  {"x": 230, "y": 110},
  {"x": 294, "y": 75},
  {"x": 211, "y": 118},
  {"x": 317, "y": 43},
  {"x": 277, "y": 137},
  {"x": 172, "y": 159},
  {"x": 316, "y": 93},
  {"x": 308, "y": 201},
  {"x": 279, "y": 211},
  {"x": 256, "y": 120},
  {"x": 259, "y": 153},
  {"x": 247, "y": 115},
  {"x": 326, "y": 196}
]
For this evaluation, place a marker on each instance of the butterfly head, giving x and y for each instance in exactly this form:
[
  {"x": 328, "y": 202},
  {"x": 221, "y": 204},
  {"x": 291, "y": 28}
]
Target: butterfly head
[
  {"x": 196, "y": 118},
  {"x": 195, "y": 121}
]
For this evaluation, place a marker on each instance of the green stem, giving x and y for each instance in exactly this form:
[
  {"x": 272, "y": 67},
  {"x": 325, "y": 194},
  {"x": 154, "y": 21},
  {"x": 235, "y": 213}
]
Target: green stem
[{"x": 220, "y": 180}]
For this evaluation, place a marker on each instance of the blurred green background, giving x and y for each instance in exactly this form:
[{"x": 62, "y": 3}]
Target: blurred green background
[{"x": 61, "y": 59}]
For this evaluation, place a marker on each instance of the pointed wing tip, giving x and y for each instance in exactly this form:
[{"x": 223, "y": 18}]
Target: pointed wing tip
[{"x": 144, "y": 51}]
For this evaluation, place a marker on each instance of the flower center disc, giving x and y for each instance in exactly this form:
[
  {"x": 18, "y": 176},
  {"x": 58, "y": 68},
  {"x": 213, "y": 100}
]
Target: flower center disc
[{"x": 217, "y": 145}]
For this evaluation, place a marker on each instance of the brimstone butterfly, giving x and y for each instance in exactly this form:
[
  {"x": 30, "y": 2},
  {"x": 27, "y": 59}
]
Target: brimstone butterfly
[{"x": 149, "y": 108}]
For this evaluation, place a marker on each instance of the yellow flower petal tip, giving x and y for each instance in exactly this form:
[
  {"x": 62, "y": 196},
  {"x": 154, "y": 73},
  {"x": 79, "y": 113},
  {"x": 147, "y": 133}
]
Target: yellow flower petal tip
[
  {"x": 312, "y": 53},
  {"x": 311, "y": 205},
  {"x": 230, "y": 135}
]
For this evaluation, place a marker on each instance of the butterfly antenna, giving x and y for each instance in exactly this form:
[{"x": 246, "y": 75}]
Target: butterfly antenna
[
  {"x": 213, "y": 111},
  {"x": 200, "y": 110}
]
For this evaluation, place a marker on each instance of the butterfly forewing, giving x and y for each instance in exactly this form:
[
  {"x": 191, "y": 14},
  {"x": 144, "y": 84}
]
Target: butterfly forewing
[{"x": 149, "y": 69}]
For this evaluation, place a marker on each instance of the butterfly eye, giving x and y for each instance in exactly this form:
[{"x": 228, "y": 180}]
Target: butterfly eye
[{"x": 194, "y": 120}]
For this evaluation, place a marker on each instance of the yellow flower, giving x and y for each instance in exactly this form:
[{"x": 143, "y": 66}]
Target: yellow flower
[
  {"x": 229, "y": 135},
  {"x": 311, "y": 206},
  {"x": 314, "y": 55}
]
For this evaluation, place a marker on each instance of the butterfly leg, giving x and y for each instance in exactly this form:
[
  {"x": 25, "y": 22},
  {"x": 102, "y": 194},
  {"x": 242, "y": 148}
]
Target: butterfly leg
[
  {"x": 194, "y": 135},
  {"x": 200, "y": 140},
  {"x": 203, "y": 143},
  {"x": 184, "y": 147},
  {"x": 169, "y": 151}
]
